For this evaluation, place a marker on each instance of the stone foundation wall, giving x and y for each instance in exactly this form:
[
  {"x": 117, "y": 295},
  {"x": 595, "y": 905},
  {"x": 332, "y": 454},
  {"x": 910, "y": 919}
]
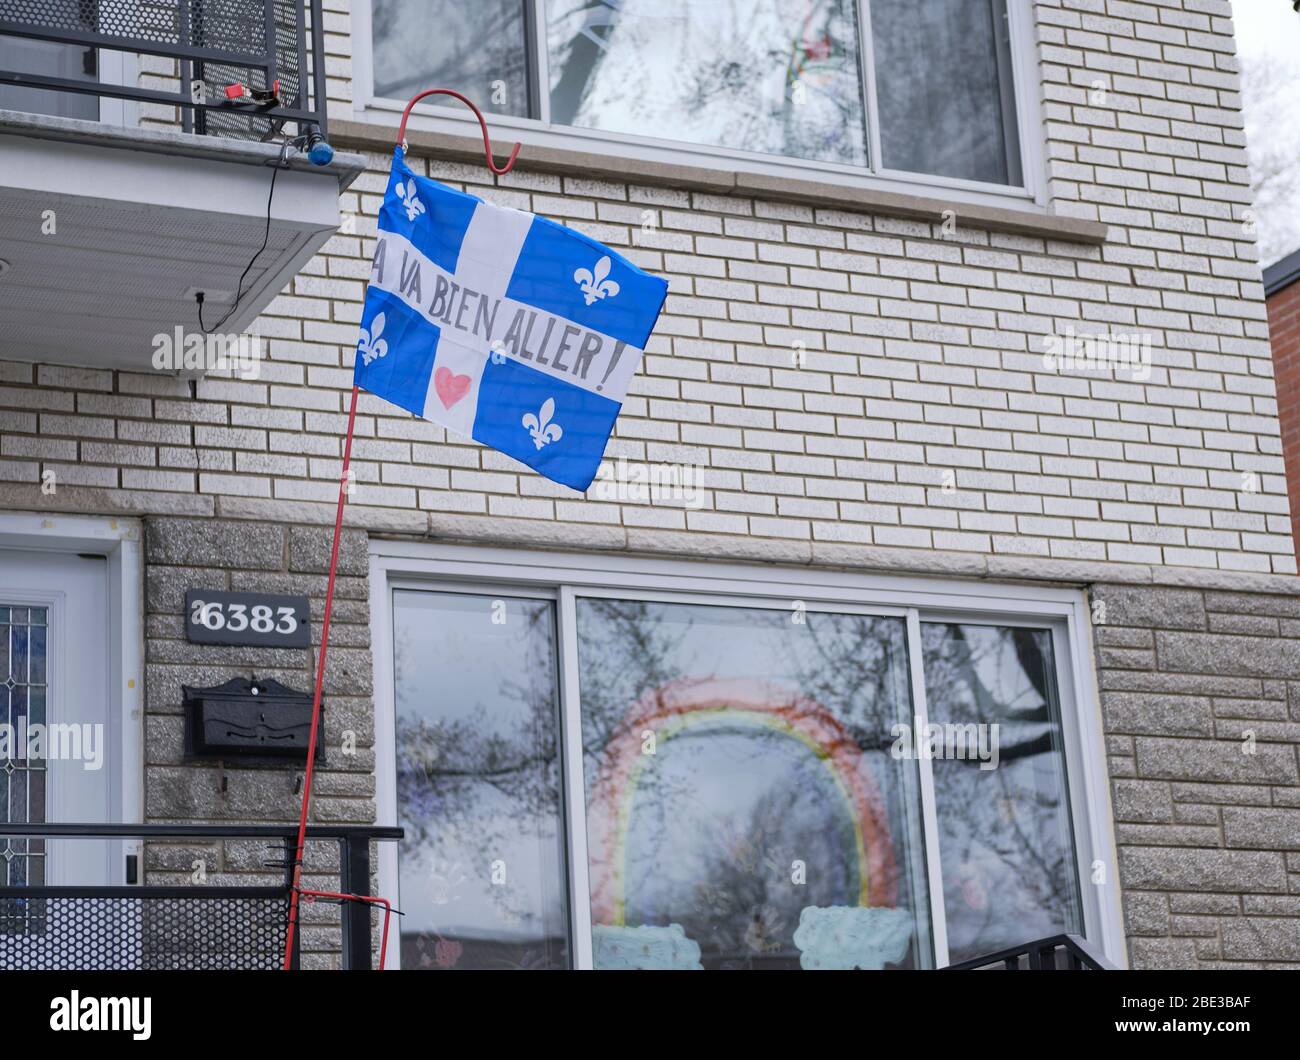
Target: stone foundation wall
[
  {"x": 1201, "y": 699},
  {"x": 183, "y": 554}
]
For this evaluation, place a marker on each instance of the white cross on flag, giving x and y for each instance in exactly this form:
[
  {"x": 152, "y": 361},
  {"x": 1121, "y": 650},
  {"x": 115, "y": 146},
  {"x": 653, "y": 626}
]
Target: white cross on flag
[{"x": 502, "y": 325}]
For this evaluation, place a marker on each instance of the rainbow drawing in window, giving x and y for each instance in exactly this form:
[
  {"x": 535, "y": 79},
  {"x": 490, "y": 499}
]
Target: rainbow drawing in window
[{"x": 656, "y": 822}]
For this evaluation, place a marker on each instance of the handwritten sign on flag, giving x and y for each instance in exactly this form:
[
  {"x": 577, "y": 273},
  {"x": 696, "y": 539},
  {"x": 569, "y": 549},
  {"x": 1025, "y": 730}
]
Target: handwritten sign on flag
[{"x": 502, "y": 326}]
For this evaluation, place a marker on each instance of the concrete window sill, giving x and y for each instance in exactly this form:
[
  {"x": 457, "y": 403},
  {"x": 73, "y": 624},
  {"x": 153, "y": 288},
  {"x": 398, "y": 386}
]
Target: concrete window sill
[{"x": 369, "y": 137}]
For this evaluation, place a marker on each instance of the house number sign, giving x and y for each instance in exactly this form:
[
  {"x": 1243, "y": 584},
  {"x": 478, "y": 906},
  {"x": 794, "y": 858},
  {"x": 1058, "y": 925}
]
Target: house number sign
[{"x": 262, "y": 619}]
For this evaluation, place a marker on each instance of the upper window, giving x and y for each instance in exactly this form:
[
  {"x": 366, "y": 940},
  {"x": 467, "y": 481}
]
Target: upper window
[{"x": 891, "y": 87}]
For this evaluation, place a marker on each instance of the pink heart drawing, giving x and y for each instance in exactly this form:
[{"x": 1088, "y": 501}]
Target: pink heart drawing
[{"x": 450, "y": 387}]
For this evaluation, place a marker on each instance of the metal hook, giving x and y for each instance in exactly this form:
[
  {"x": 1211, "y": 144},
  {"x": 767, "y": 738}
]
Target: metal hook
[{"x": 487, "y": 142}]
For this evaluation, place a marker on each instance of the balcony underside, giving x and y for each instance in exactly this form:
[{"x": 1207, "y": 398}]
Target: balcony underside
[{"x": 107, "y": 232}]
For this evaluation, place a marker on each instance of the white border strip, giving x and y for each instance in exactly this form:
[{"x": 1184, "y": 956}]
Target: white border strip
[
  {"x": 574, "y": 825},
  {"x": 929, "y": 813}
]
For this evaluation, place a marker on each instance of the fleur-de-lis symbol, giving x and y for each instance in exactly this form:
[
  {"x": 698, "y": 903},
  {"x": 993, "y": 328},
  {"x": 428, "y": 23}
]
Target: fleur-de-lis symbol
[
  {"x": 406, "y": 192},
  {"x": 540, "y": 426},
  {"x": 593, "y": 284},
  {"x": 370, "y": 345}
]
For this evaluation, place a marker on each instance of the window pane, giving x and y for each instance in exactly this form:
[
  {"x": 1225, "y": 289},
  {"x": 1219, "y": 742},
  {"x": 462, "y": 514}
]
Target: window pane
[
  {"x": 743, "y": 809},
  {"x": 479, "y": 49},
  {"x": 478, "y": 782},
  {"x": 944, "y": 89},
  {"x": 774, "y": 76},
  {"x": 1005, "y": 842}
]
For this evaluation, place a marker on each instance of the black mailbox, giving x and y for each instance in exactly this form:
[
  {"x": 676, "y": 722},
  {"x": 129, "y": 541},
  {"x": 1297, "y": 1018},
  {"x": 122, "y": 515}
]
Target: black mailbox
[{"x": 256, "y": 718}]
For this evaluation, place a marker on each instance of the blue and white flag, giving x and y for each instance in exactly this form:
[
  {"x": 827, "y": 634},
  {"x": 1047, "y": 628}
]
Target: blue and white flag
[{"x": 502, "y": 326}]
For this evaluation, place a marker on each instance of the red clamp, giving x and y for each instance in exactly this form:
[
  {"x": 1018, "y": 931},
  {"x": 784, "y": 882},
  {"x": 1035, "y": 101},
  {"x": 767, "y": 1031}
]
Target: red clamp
[{"x": 239, "y": 93}]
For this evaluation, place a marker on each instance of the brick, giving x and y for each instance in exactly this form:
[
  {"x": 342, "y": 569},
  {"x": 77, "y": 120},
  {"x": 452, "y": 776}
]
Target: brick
[
  {"x": 1148, "y": 606},
  {"x": 1161, "y": 953},
  {"x": 243, "y": 546},
  {"x": 1142, "y": 800},
  {"x": 1228, "y": 655},
  {"x": 1214, "y": 760},
  {"x": 1146, "y": 914},
  {"x": 1262, "y": 939},
  {"x": 1148, "y": 713},
  {"x": 1262, "y": 829},
  {"x": 1182, "y": 869},
  {"x": 309, "y": 551}
]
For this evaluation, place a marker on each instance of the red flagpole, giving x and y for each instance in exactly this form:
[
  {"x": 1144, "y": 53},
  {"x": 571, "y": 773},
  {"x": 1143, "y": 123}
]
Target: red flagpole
[
  {"x": 320, "y": 684},
  {"x": 296, "y": 888}
]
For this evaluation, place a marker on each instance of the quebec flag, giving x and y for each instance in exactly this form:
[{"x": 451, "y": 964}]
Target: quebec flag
[{"x": 502, "y": 326}]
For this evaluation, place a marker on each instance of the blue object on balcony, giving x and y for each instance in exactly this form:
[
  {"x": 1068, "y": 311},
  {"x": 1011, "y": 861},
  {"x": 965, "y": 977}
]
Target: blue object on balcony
[{"x": 320, "y": 153}]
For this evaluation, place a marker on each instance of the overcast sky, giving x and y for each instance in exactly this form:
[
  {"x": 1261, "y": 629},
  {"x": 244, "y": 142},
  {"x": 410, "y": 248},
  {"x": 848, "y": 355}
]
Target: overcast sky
[{"x": 1268, "y": 46}]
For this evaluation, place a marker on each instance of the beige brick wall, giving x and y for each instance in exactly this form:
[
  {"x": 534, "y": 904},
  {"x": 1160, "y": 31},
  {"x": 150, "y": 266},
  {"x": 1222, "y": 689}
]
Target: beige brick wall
[{"x": 923, "y": 358}]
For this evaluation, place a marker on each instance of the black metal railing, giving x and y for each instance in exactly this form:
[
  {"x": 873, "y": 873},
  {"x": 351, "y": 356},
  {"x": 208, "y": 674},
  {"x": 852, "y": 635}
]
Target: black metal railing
[
  {"x": 177, "y": 927},
  {"x": 1056, "y": 952},
  {"x": 273, "y": 48}
]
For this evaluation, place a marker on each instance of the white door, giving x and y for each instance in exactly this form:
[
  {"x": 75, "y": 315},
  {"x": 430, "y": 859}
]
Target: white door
[{"x": 58, "y": 764}]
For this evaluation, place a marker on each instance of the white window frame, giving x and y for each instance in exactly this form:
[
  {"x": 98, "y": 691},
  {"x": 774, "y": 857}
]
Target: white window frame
[
  {"x": 540, "y": 132},
  {"x": 563, "y": 577}
]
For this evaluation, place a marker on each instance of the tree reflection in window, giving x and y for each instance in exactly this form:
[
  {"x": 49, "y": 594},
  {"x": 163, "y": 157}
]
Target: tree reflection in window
[
  {"x": 479, "y": 49},
  {"x": 1006, "y": 846},
  {"x": 769, "y": 790},
  {"x": 944, "y": 88},
  {"x": 770, "y": 76},
  {"x": 478, "y": 782}
]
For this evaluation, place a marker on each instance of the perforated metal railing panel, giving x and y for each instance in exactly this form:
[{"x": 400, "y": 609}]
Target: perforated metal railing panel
[
  {"x": 143, "y": 933},
  {"x": 232, "y": 36},
  {"x": 288, "y": 33},
  {"x": 233, "y": 24}
]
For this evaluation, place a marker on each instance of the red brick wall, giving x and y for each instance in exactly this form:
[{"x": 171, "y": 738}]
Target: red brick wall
[{"x": 1284, "y": 335}]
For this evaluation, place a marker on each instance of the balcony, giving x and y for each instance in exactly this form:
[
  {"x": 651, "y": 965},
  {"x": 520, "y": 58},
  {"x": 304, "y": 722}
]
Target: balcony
[
  {"x": 195, "y": 926},
  {"x": 139, "y": 142}
]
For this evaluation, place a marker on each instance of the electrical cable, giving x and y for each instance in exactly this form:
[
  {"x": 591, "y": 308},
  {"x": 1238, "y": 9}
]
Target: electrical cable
[{"x": 266, "y": 238}]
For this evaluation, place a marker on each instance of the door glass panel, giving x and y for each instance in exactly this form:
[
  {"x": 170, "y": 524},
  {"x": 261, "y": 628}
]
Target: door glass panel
[
  {"x": 478, "y": 782},
  {"x": 774, "y": 76},
  {"x": 23, "y": 685},
  {"x": 1005, "y": 842},
  {"x": 743, "y": 809}
]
